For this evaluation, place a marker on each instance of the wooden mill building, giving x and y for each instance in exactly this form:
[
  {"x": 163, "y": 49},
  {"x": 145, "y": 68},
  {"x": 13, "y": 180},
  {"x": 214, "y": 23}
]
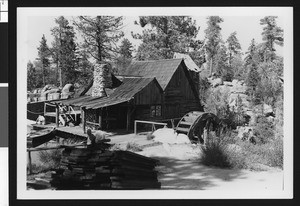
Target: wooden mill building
[
  {"x": 146, "y": 90},
  {"x": 180, "y": 93}
]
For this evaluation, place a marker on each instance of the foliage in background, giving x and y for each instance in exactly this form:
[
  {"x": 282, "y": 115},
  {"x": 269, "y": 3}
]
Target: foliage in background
[
  {"x": 84, "y": 69},
  {"x": 125, "y": 55},
  {"x": 263, "y": 130},
  {"x": 217, "y": 102},
  {"x": 212, "y": 38},
  {"x": 270, "y": 87},
  {"x": 43, "y": 58},
  {"x": 233, "y": 46},
  {"x": 100, "y": 34},
  {"x": 63, "y": 51},
  {"x": 34, "y": 77},
  {"x": 272, "y": 34},
  {"x": 165, "y": 35},
  {"x": 237, "y": 66}
]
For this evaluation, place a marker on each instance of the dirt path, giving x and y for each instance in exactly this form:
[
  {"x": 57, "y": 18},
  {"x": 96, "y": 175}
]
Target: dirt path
[{"x": 180, "y": 169}]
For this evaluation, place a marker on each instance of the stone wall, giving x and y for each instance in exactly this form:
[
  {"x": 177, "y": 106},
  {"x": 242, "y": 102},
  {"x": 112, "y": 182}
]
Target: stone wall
[{"x": 102, "y": 80}]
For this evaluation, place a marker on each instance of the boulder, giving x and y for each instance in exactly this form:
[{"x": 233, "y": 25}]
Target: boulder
[
  {"x": 268, "y": 109},
  {"x": 47, "y": 87},
  {"x": 244, "y": 132},
  {"x": 229, "y": 84},
  {"x": 216, "y": 82},
  {"x": 68, "y": 88}
]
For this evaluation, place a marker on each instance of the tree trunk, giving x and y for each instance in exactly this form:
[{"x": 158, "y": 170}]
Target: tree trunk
[
  {"x": 60, "y": 78},
  {"x": 211, "y": 61},
  {"x": 56, "y": 73},
  {"x": 43, "y": 69}
]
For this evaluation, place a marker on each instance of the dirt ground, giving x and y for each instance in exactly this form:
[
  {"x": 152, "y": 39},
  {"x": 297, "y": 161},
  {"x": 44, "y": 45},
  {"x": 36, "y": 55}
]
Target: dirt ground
[{"x": 180, "y": 168}]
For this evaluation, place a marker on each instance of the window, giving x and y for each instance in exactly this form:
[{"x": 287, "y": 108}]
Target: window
[{"x": 155, "y": 111}]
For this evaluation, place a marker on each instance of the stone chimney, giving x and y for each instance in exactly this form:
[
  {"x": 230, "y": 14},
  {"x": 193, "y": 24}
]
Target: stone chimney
[{"x": 102, "y": 80}]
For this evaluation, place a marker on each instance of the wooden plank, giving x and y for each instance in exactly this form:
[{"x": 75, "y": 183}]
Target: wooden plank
[
  {"x": 186, "y": 123},
  {"x": 136, "y": 156},
  {"x": 181, "y": 129}
]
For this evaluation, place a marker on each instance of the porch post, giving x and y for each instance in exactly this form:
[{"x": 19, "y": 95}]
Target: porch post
[{"x": 83, "y": 119}]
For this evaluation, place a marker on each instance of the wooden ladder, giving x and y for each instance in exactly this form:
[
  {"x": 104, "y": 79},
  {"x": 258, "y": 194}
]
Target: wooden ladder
[{"x": 65, "y": 117}]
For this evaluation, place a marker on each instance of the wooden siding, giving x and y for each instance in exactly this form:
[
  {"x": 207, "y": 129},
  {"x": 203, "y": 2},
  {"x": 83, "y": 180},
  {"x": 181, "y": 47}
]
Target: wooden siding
[
  {"x": 149, "y": 95},
  {"x": 179, "y": 96}
]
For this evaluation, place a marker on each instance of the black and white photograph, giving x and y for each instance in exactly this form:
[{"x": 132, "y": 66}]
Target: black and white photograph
[{"x": 154, "y": 103}]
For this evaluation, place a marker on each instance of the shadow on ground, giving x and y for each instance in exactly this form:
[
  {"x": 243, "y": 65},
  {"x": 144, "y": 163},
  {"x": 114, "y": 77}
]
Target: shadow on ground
[{"x": 190, "y": 174}]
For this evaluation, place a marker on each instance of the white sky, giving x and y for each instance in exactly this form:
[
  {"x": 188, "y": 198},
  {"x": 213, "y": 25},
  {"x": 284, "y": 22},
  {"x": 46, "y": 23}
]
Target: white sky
[{"x": 247, "y": 28}]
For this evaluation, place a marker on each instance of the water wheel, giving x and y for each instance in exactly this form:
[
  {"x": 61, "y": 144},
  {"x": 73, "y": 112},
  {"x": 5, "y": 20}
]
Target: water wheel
[{"x": 197, "y": 125}]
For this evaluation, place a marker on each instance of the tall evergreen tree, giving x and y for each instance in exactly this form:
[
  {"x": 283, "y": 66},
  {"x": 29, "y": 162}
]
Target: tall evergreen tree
[
  {"x": 212, "y": 38},
  {"x": 33, "y": 77},
  {"x": 84, "y": 68},
  {"x": 233, "y": 46},
  {"x": 272, "y": 34},
  {"x": 125, "y": 55},
  {"x": 252, "y": 54},
  {"x": 64, "y": 50},
  {"x": 126, "y": 49},
  {"x": 165, "y": 35},
  {"x": 100, "y": 34},
  {"x": 43, "y": 57}
]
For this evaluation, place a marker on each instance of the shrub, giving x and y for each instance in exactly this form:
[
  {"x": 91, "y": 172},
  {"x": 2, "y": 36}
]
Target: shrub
[
  {"x": 222, "y": 152},
  {"x": 263, "y": 130},
  {"x": 270, "y": 154},
  {"x": 230, "y": 152},
  {"x": 214, "y": 154}
]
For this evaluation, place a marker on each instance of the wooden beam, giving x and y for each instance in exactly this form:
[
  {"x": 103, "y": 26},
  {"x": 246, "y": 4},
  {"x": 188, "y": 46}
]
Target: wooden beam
[
  {"x": 29, "y": 162},
  {"x": 83, "y": 119},
  {"x": 57, "y": 116},
  {"x": 100, "y": 119},
  {"x": 128, "y": 119}
]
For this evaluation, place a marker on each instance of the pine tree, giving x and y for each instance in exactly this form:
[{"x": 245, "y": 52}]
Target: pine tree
[
  {"x": 125, "y": 55},
  {"x": 43, "y": 57},
  {"x": 251, "y": 54},
  {"x": 64, "y": 50},
  {"x": 165, "y": 35},
  {"x": 233, "y": 46},
  {"x": 272, "y": 34},
  {"x": 252, "y": 81},
  {"x": 212, "y": 38},
  {"x": 100, "y": 34},
  {"x": 32, "y": 77},
  {"x": 220, "y": 63},
  {"x": 84, "y": 68}
]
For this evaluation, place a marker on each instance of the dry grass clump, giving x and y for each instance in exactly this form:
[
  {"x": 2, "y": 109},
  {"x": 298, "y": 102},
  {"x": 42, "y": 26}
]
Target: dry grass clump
[
  {"x": 134, "y": 147},
  {"x": 222, "y": 152}
]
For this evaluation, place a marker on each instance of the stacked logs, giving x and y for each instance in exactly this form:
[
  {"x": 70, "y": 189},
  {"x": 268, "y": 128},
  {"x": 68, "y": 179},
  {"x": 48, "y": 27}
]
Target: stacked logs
[{"x": 94, "y": 168}]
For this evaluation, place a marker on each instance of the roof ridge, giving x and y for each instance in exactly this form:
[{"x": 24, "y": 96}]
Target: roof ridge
[{"x": 158, "y": 60}]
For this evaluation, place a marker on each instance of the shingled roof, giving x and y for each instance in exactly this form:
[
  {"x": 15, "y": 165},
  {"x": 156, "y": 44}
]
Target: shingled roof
[
  {"x": 130, "y": 86},
  {"x": 162, "y": 70}
]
